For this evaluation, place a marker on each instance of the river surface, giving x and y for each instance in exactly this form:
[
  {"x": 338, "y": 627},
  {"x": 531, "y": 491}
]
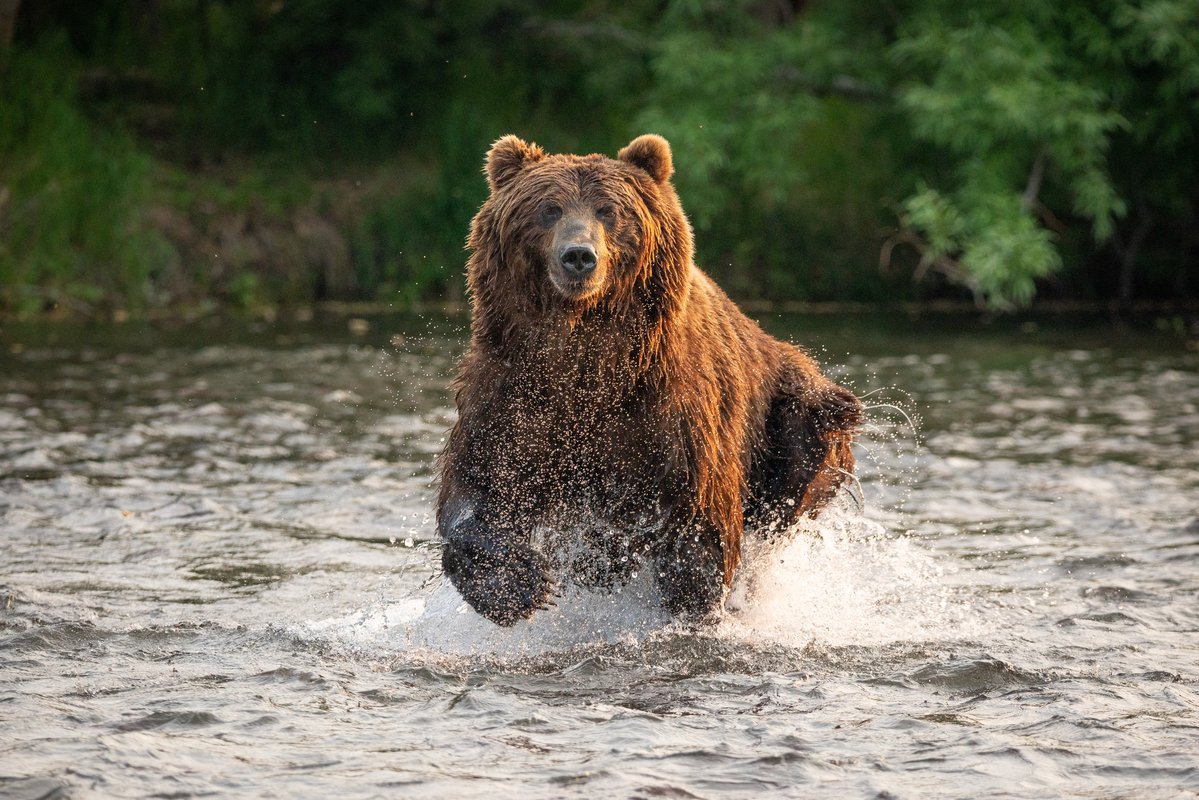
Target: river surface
[{"x": 218, "y": 577}]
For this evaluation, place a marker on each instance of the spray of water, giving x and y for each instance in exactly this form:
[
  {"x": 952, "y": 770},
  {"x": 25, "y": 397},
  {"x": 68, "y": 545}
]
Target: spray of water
[
  {"x": 843, "y": 579},
  {"x": 840, "y": 580}
]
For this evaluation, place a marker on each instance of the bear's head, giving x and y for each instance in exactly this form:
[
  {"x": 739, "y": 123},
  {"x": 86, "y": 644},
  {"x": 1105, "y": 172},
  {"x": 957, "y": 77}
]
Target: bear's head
[{"x": 565, "y": 235}]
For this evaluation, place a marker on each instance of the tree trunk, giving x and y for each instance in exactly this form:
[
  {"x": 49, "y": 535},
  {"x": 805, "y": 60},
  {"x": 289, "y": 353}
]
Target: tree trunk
[
  {"x": 1128, "y": 261},
  {"x": 8, "y": 25},
  {"x": 8, "y": 21}
]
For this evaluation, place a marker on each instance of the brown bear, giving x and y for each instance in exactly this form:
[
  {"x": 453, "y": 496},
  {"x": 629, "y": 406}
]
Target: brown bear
[{"x": 614, "y": 397}]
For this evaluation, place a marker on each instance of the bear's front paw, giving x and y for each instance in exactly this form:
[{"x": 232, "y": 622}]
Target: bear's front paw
[
  {"x": 505, "y": 583},
  {"x": 691, "y": 578}
]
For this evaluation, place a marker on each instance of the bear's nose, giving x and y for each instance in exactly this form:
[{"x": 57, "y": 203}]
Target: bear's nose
[{"x": 578, "y": 260}]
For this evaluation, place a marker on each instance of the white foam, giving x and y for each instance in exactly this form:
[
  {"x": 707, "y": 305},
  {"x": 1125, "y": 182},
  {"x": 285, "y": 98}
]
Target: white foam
[
  {"x": 839, "y": 580},
  {"x": 442, "y": 623},
  {"x": 845, "y": 580}
]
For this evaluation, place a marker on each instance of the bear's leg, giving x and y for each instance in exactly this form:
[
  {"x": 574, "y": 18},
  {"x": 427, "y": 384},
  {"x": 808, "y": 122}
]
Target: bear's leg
[
  {"x": 806, "y": 454},
  {"x": 691, "y": 574},
  {"x": 606, "y": 560},
  {"x": 498, "y": 573}
]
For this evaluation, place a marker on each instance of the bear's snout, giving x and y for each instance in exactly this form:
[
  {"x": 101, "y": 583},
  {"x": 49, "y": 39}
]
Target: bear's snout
[
  {"x": 578, "y": 260},
  {"x": 577, "y": 255}
]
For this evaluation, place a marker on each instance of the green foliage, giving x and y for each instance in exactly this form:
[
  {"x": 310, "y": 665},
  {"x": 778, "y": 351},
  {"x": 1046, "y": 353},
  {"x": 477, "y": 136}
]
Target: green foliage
[
  {"x": 70, "y": 194},
  {"x": 1005, "y": 148},
  {"x": 358, "y": 80},
  {"x": 785, "y": 188},
  {"x": 1003, "y": 125},
  {"x": 1002, "y": 250},
  {"x": 244, "y": 290},
  {"x": 1000, "y": 98}
]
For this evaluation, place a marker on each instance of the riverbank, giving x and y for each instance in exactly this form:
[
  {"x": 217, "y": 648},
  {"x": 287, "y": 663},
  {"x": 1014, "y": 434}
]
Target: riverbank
[
  {"x": 235, "y": 237},
  {"x": 829, "y": 328},
  {"x": 268, "y": 238},
  {"x": 1181, "y": 317}
]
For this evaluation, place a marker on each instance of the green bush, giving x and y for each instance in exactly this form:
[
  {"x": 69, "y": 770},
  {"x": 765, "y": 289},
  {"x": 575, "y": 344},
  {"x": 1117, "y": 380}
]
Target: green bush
[
  {"x": 1009, "y": 148},
  {"x": 71, "y": 194}
]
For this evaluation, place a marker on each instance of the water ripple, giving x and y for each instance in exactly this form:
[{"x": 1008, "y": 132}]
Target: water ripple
[{"x": 220, "y": 578}]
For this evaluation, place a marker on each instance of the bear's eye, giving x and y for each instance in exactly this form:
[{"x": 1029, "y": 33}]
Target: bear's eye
[
  {"x": 551, "y": 212},
  {"x": 607, "y": 214}
]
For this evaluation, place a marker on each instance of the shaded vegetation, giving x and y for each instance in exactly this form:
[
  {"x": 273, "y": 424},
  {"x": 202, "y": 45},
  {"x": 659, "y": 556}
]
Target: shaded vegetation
[{"x": 217, "y": 152}]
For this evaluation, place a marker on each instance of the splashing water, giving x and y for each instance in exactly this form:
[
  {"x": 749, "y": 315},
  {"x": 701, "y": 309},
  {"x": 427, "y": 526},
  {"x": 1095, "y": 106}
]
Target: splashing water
[
  {"x": 838, "y": 580},
  {"x": 842, "y": 580}
]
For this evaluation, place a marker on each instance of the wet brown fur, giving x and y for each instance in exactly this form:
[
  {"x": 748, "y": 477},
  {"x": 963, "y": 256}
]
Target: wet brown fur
[{"x": 648, "y": 402}]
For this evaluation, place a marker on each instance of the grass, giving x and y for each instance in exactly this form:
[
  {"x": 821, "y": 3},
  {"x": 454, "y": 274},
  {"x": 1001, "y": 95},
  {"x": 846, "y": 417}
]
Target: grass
[
  {"x": 91, "y": 224},
  {"x": 71, "y": 196}
]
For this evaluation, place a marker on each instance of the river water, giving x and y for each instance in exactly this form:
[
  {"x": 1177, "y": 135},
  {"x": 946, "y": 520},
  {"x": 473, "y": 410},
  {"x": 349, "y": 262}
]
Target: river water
[{"x": 218, "y": 576}]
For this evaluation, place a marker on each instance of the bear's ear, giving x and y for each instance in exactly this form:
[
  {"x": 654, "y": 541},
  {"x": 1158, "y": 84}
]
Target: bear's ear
[
  {"x": 652, "y": 153},
  {"x": 507, "y": 157}
]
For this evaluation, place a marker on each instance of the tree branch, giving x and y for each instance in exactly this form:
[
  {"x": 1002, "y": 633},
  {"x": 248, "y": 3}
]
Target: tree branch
[
  {"x": 949, "y": 267},
  {"x": 1035, "y": 176},
  {"x": 839, "y": 85},
  {"x": 567, "y": 29},
  {"x": 8, "y": 27}
]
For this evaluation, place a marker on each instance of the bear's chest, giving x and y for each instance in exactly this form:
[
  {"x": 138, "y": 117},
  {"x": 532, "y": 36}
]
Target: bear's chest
[{"x": 570, "y": 449}]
